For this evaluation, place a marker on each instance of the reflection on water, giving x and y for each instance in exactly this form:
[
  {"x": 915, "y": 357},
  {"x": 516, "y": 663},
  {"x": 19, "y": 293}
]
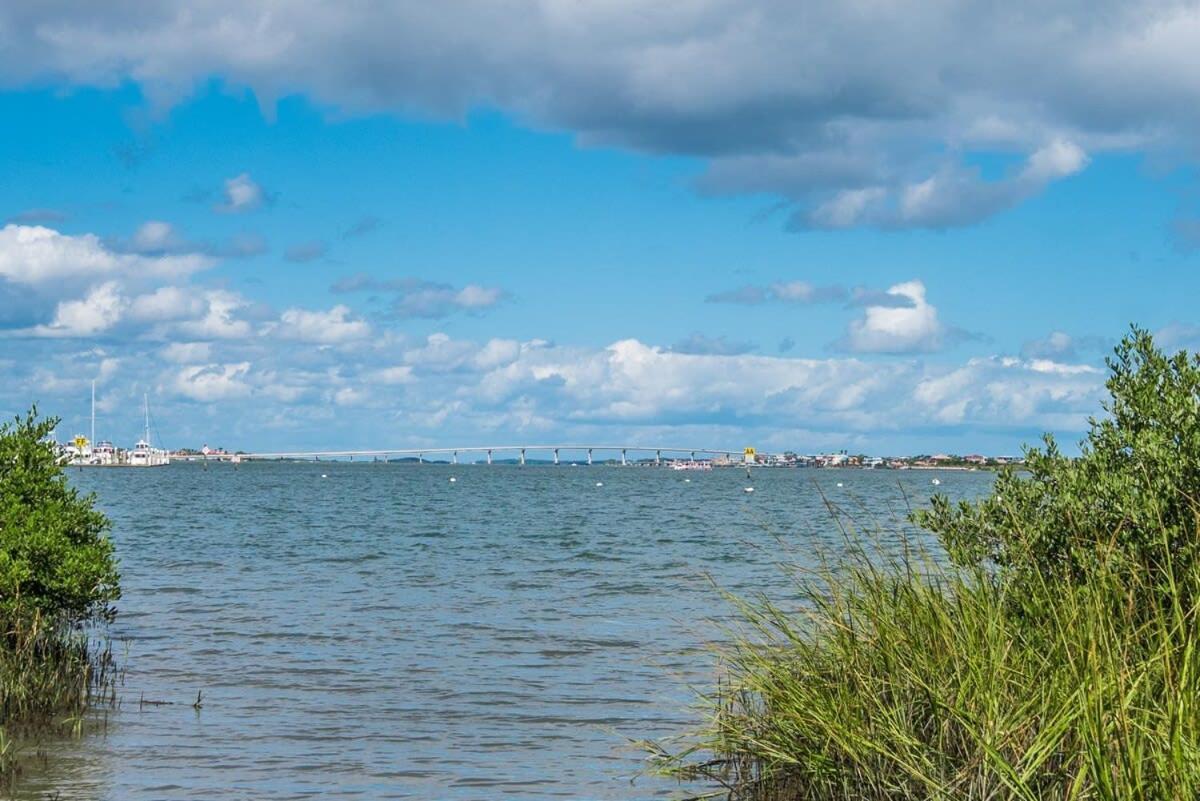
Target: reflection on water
[{"x": 383, "y": 632}]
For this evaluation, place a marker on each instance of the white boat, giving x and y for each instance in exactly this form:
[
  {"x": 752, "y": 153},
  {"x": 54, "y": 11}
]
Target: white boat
[
  {"x": 103, "y": 453},
  {"x": 691, "y": 465},
  {"x": 143, "y": 454},
  {"x": 80, "y": 451}
]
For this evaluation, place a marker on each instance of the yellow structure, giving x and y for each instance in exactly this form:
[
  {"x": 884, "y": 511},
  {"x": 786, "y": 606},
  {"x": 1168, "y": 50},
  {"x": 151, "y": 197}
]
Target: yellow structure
[{"x": 748, "y": 454}]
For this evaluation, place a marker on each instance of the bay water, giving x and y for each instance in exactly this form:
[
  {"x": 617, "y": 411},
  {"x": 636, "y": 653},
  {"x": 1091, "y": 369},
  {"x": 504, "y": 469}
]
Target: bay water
[{"x": 378, "y": 631}]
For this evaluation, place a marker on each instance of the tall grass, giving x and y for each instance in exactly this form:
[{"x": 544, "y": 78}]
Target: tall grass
[
  {"x": 51, "y": 676},
  {"x": 907, "y": 679}
]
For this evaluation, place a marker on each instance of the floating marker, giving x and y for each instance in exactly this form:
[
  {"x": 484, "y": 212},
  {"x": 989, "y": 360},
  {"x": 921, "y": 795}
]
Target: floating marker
[
  {"x": 687, "y": 481},
  {"x": 748, "y": 489},
  {"x": 324, "y": 476},
  {"x": 453, "y": 479},
  {"x": 839, "y": 483},
  {"x": 936, "y": 482},
  {"x": 599, "y": 483}
]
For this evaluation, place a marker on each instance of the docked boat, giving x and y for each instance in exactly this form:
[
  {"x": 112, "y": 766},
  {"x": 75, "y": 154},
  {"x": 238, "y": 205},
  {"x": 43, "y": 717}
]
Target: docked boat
[
  {"x": 143, "y": 454},
  {"x": 691, "y": 465}
]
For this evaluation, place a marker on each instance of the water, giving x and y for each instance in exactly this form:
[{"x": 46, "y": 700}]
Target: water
[{"x": 377, "y": 631}]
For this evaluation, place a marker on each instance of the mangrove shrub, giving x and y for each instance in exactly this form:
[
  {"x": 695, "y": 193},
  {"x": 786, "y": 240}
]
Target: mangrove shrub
[
  {"x": 56, "y": 560},
  {"x": 1133, "y": 491}
]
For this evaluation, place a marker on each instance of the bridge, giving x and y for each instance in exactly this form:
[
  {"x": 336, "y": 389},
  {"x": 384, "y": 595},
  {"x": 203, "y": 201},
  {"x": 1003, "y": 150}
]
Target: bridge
[{"x": 490, "y": 450}]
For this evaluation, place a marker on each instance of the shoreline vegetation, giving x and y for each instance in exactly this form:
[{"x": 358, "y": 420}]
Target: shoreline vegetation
[
  {"x": 58, "y": 581},
  {"x": 1049, "y": 650}
]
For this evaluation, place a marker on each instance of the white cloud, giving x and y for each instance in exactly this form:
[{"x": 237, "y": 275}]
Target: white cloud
[
  {"x": 38, "y": 256},
  {"x": 332, "y": 327},
  {"x": 155, "y": 236},
  {"x": 166, "y": 303},
  {"x": 219, "y": 319},
  {"x": 497, "y": 353},
  {"x": 441, "y": 353},
  {"x": 473, "y": 296},
  {"x": 186, "y": 352},
  {"x": 100, "y": 310},
  {"x": 392, "y": 376},
  {"x": 242, "y": 194},
  {"x": 896, "y": 328},
  {"x": 212, "y": 382},
  {"x": 449, "y": 391},
  {"x": 881, "y": 138}
]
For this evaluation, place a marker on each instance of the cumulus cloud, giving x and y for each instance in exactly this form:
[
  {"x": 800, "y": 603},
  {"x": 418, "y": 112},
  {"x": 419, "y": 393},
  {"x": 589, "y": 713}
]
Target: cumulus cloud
[
  {"x": 884, "y": 138},
  {"x": 37, "y": 256},
  {"x": 166, "y": 303},
  {"x": 241, "y": 194},
  {"x": 221, "y": 318},
  {"x": 444, "y": 389},
  {"x": 186, "y": 352},
  {"x": 98, "y": 311},
  {"x": 333, "y": 327},
  {"x": 212, "y": 382},
  {"x": 906, "y": 323}
]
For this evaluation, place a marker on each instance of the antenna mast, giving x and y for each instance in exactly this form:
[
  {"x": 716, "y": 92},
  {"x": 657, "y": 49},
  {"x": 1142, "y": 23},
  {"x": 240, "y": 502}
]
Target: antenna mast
[{"x": 93, "y": 440}]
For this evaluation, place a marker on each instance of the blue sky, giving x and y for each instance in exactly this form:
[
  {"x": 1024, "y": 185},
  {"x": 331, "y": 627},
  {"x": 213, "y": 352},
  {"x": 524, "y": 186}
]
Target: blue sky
[{"x": 468, "y": 233}]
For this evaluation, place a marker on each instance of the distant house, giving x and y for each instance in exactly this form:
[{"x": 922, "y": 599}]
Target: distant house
[
  {"x": 975, "y": 458},
  {"x": 941, "y": 457}
]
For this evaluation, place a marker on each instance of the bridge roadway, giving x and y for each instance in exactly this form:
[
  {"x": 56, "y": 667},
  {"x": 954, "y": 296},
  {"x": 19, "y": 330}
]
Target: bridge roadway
[{"x": 421, "y": 453}]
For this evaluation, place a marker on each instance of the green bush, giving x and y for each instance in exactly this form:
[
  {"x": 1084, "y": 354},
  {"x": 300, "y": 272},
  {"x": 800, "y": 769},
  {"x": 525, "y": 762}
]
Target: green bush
[
  {"x": 1056, "y": 656},
  {"x": 56, "y": 561},
  {"x": 911, "y": 682},
  {"x": 1135, "y": 486},
  {"x": 57, "y": 573}
]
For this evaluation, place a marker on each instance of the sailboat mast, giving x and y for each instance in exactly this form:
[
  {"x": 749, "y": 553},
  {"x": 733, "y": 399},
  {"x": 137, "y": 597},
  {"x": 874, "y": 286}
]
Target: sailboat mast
[
  {"x": 146, "y": 406},
  {"x": 93, "y": 440}
]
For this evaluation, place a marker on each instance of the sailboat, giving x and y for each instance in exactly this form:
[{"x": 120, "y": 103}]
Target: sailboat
[
  {"x": 143, "y": 455},
  {"x": 82, "y": 451}
]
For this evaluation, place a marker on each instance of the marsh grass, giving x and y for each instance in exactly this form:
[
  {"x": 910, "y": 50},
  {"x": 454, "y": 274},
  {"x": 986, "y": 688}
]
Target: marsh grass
[
  {"x": 906, "y": 678},
  {"x": 53, "y": 678}
]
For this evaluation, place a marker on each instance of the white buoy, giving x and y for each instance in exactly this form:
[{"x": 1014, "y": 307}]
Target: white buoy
[
  {"x": 599, "y": 483},
  {"x": 748, "y": 489},
  {"x": 839, "y": 483},
  {"x": 687, "y": 481},
  {"x": 324, "y": 476},
  {"x": 936, "y": 482},
  {"x": 453, "y": 479}
]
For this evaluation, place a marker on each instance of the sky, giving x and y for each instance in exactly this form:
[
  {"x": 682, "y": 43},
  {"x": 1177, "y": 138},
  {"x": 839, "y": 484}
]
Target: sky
[{"x": 887, "y": 227}]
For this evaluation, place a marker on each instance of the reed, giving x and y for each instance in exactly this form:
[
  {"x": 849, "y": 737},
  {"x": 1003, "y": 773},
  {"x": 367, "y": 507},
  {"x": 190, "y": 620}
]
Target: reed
[
  {"x": 1050, "y": 649},
  {"x": 52, "y": 678},
  {"x": 908, "y": 679}
]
